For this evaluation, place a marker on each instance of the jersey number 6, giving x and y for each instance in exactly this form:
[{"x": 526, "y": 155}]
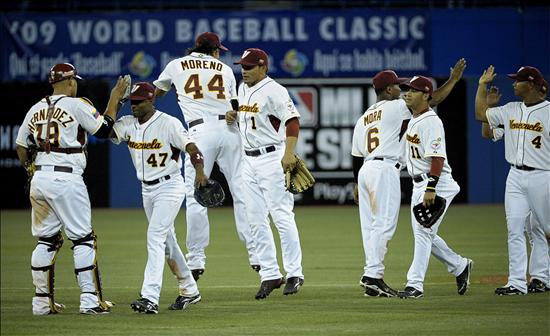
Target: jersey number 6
[
  {"x": 214, "y": 85},
  {"x": 372, "y": 139}
]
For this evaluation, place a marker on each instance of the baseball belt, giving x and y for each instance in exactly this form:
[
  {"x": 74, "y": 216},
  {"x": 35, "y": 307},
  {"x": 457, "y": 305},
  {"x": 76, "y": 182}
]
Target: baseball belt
[
  {"x": 61, "y": 169},
  {"x": 157, "y": 181},
  {"x": 526, "y": 168},
  {"x": 397, "y": 165},
  {"x": 200, "y": 121},
  {"x": 258, "y": 152}
]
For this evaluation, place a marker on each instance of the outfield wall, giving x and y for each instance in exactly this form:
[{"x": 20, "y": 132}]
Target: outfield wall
[{"x": 322, "y": 44}]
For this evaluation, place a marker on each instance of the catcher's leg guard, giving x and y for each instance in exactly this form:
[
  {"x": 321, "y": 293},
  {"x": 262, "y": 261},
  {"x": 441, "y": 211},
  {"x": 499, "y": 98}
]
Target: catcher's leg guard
[
  {"x": 43, "y": 274},
  {"x": 87, "y": 272}
]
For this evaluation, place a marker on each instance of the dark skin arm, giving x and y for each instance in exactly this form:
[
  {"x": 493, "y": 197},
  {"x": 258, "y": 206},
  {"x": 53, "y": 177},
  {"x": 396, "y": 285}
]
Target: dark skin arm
[
  {"x": 435, "y": 170},
  {"x": 200, "y": 177},
  {"x": 442, "y": 92}
]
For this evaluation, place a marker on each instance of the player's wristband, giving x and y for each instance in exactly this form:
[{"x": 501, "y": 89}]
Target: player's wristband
[
  {"x": 432, "y": 182},
  {"x": 196, "y": 158}
]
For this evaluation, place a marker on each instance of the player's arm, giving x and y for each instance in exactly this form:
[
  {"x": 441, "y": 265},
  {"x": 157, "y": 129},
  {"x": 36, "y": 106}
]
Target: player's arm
[
  {"x": 110, "y": 114},
  {"x": 483, "y": 99},
  {"x": 197, "y": 160},
  {"x": 159, "y": 93},
  {"x": 442, "y": 92},
  {"x": 433, "y": 177},
  {"x": 292, "y": 130},
  {"x": 486, "y": 130},
  {"x": 22, "y": 154},
  {"x": 357, "y": 163}
]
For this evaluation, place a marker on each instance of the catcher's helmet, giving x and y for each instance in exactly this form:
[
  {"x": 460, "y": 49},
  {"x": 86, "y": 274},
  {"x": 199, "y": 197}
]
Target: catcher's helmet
[{"x": 211, "y": 195}]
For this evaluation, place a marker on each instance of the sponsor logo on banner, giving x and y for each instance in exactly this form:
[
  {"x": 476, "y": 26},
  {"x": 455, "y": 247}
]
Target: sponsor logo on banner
[
  {"x": 294, "y": 62},
  {"x": 142, "y": 64},
  {"x": 305, "y": 100}
]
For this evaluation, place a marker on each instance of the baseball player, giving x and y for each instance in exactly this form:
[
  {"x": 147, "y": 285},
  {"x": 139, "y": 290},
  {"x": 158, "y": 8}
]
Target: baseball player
[
  {"x": 204, "y": 86},
  {"x": 526, "y": 127},
  {"x": 58, "y": 125},
  {"x": 155, "y": 140},
  {"x": 431, "y": 174},
  {"x": 376, "y": 151},
  {"x": 264, "y": 106},
  {"x": 539, "y": 260}
]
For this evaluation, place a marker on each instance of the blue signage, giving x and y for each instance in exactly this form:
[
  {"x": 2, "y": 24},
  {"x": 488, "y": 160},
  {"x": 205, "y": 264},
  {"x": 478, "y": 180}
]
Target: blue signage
[{"x": 318, "y": 43}]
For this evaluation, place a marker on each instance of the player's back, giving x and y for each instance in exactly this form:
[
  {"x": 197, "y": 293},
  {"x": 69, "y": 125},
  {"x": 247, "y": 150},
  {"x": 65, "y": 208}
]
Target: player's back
[
  {"x": 203, "y": 85},
  {"x": 377, "y": 131}
]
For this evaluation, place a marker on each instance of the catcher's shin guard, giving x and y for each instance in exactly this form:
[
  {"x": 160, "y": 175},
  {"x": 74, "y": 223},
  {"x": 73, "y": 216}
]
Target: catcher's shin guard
[
  {"x": 87, "y": 272},
  {"x": 43, "y": 274}
]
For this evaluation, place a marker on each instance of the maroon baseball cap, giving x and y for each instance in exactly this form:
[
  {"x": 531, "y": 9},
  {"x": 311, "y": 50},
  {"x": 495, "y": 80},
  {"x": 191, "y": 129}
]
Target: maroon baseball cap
[
  {"x": 61, "y": 72},
  {"x": 386, "y": 78},
  {"x": 530, "y": 74},
  {"x": 210, "y": 38},
  {"x": 142, "y": 91},
  {"x": 420, "y": 83},
  {"x": 252, "y": 57}
]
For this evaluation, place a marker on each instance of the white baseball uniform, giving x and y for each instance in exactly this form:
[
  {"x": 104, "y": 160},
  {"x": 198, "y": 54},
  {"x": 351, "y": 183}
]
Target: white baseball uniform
[
  {"x": 425, "y": 138},
  {"x": 262, "y": 108},
  {"x": 527, "y": 149},
  {"x": 376, "y": 139},
  {"x": 155, "y": 148},
  {"x": 59, "y": 197},
  {"x": 204, "y": 86}
]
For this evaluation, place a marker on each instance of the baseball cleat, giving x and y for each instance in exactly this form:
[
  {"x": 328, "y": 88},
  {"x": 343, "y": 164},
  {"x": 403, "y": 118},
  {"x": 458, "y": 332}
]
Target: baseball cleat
[
  {"x": 99, "y": 310},
  {"x": 508, "y": 290},
  {"x": 256, "y": 268},
  {"x": 463, "y": 279},
  {"x": 143, "y": 305},
  {"x": 197, "y": 273},
  {"x": 293, "y": 285},
  {"x": 410, "y": 293},
  {"x": 376, "y": 287},
  {"x": 182, "y": 302},
  {"x": 537, "y": 286},
  {"x": 267, "y": 286}
]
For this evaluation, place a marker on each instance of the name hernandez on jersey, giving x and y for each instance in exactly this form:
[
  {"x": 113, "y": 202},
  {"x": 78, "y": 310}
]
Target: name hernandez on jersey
[
  {"x": 425, "y": 138},
  {"x": 154, "y": 146},
  {"x": 70, "y": 122},
  {"x": 263, "y": 108},
  {"x": 204, "y": 85},
  {"x": 526, "y": 132},
  {"x": 376, "y": 132}
]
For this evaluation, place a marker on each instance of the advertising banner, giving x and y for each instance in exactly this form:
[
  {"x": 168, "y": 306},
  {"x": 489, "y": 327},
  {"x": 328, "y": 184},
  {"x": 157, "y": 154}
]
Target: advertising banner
[{"x": 317, "y": 43}]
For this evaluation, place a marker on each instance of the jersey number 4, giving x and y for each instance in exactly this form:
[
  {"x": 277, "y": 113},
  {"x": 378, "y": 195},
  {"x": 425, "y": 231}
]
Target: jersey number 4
[
  {"x": 152, "y": 160},
  {"x": 215, "y": 84},
  {"x": 537, "y": 142}
]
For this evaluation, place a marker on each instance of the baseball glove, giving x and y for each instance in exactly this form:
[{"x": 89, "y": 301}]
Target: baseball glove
[
  {"x": 299, "y": 179},
  {"x": 427, "y": 217},
  {"x": 211, "y": 195}
]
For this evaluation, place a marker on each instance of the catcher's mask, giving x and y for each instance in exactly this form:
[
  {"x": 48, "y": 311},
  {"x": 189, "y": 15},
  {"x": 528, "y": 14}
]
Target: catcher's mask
[{"x": 211, "y": 195}]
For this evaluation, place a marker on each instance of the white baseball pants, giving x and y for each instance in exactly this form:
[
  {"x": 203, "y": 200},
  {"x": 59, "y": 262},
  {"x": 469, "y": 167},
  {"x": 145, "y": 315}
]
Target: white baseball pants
[
  {"x": 162, "y": 203},
  {"x": 527, "y": 192},
  {"x": 379, "y": 200},
  {"x": 265, "y": 194},
  {"x": 427, "y": 241},
  {"x": 219, "y": 143}
]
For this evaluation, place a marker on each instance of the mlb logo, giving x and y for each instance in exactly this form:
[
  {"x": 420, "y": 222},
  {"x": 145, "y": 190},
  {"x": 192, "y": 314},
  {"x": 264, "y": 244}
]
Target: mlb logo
[{"x": 305, "y": 100}]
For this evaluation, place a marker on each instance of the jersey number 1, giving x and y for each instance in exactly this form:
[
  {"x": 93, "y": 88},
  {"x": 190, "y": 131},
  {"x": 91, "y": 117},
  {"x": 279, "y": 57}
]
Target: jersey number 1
[{"x": 214, "y": 85}]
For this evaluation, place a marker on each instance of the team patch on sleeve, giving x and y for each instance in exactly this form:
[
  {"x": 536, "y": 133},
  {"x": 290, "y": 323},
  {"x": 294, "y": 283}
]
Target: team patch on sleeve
[{"x": 436, "y": 144}]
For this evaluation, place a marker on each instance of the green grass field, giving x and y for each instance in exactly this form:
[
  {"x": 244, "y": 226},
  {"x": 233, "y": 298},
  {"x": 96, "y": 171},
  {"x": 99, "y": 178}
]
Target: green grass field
[{"x": 330, "y": 303}]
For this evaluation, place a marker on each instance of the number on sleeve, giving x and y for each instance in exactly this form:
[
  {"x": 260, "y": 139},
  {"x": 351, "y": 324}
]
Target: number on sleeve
[{"x": 537, "y": 142}]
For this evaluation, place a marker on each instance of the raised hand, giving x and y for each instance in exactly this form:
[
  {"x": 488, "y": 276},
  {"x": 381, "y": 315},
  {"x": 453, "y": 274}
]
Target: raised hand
[
  {"x": 458, "y": 70},
  {"x": 493, "y": 96},
  {"x": 488, "y": 76}
]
